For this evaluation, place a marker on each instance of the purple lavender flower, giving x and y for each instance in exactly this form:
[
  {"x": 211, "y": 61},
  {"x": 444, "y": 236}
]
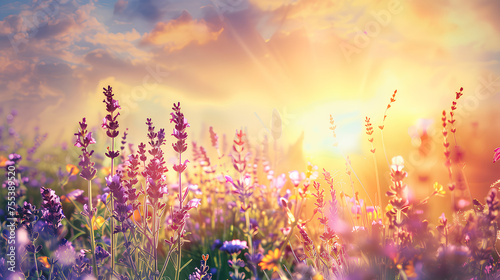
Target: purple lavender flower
[
  {"x": 81, "y": 268},
  {"x": 243, "y": 189},
  {"x": 132, "y": 172},
  {"x": 493, "y": 203},
  {"x": 13, "y": 159},
  {"x": 100, "y": 253},
  {"x": 83, "y": 140},
  {"x": 51, "y": 209},
  {"x": 77, "y": 195},
  {"x": 156, "y": 168},
  {"x": 180, "y": 128},
  {"x": 234, "y": 246},
  {"x": 122, "y": 211},
  {"x": 39, "y": 139},
  {"x": 26, "y": 214},
  {"x": 202, "y": 272},
  {"x": 216, "y": 245},
  {"x": 109, "y": 122}
]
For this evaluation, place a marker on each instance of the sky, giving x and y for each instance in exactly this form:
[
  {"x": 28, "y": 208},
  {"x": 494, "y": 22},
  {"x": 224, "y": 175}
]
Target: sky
[{"x": 232, "y": 63}]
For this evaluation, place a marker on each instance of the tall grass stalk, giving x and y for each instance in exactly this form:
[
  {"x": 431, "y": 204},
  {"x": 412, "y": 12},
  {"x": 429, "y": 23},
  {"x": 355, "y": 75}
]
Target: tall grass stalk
[
  {"x": 113, "y": 241},
  {"x": 92, "y": 240},
  {"x": 179, "y": 233}
]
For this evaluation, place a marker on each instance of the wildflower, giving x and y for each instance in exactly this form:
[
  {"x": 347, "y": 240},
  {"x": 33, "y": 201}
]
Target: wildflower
[
  {"x": 296, "y": 177},
  {"x": 97, "y": 222},
  {"x": 83, "y": 140},
  {"x": 238, "y": 157},
  {"x": 398, "y": 163},
  {"x": 77, "y": 195},
  {"x": 72, "y": 169},
  {"x": 392, "y": 100},
  {"x": 82, "y": 267},
  {"x": 179, "y": 130},
  {"x": 369, "y": 132},
  {"x": 214, "y": 138},
  {"x": 307, "y": 242},
  {"x": 244, "y": 190},
  {"x": 311, "y": 172},
  {"x": 270, "y": 261},
  {"x": 373, "y": 213},
  {"x": 109, "y": 122},
  {"x": 51, "y": 208},
  {"x": 26, "y": 214},
  {"x": 234, "y": 246},
  {"x": 202, "y": 272},
  {"x": 442, "y": 222},
  {"x": 100, "y": 253},
  {"x": 216, "y": 245},
  {"x": 333, "y": 127},
  {"x": 357, "y": 204},
  {"x": 13, "y": 160},
  {"x": 44, "y": 261},
  {"x": 493, "y": 203},
  {"x": 65, "y": 254},
  {"x": 438, "y": 189}
]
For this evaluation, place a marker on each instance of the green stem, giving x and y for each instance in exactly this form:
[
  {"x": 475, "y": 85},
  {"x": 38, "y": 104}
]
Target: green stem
[
  {"x": 130, "y": 257},
  {"x": 247, "y": 221},
  {"x": 378, "y": 185},
  {"x": 179, "y": 244},
  {"x": 36, "y": 265},
  {"x": 167, "y": 260},
  {"x": 113, "y": 244},
  {"x": 92, "y": 241},
  {"x": 155, "y": 243},
  {"x": 51, "y": 270}
]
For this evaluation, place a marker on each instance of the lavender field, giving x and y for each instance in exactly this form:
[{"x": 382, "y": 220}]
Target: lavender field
[
  {"x": 249, "y": 139},
  {"x": 144, "y": 211}
]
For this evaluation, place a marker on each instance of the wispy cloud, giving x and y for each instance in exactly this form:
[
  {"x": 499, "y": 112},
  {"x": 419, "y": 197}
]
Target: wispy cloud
[{"x": 180, "y": 32}]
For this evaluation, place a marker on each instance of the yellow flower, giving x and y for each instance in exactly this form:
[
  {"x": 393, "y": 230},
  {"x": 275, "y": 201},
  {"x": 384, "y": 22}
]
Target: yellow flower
[
  {"x": 44, "y": 261},
  {"x": 270, "y": 261},
  {"x": 388, "y": 207},
  {"x": 3, "y": 160},
  {"x": 318, "y": 277},
  {"x": 372, "y": 213},
  {"x": 106, "y": 170},
  {"x": 97, "y": 222},
  {"x": 72, "y": 169},
  {"x": 438, "y": 189}
]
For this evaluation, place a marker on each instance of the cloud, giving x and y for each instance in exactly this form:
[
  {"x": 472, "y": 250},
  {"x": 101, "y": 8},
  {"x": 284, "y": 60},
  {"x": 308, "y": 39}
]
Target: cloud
[
  {"x": 179, "y": 33},
  {"x": 120, "y": 7},
  {"x": 123, "y": 44},
  {"x": 148, "y": 10}
]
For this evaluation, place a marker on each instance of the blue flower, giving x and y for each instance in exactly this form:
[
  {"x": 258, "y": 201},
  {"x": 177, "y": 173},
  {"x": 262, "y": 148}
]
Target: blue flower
[{"x": 234, "y": 246}]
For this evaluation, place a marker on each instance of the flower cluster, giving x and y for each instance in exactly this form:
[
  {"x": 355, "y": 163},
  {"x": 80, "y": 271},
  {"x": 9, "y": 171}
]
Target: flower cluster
[
  {"x": 202, "y": 272},
  {"x": 398, "y": 199},
  {"x": 83, "y": 140},
  {"x": 51, "y": 209},
  {"x": 109, "y": 122},
  {"x": 180, "y": 129},
  {"x": 238, "y": 156},
  {"x": 122, "y": 211}
]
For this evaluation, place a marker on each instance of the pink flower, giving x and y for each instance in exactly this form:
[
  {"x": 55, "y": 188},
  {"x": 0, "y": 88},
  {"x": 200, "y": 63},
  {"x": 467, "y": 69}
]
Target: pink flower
[
  {"x": 193, "y": 203},
  {"x": 296, "y": 177}
]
